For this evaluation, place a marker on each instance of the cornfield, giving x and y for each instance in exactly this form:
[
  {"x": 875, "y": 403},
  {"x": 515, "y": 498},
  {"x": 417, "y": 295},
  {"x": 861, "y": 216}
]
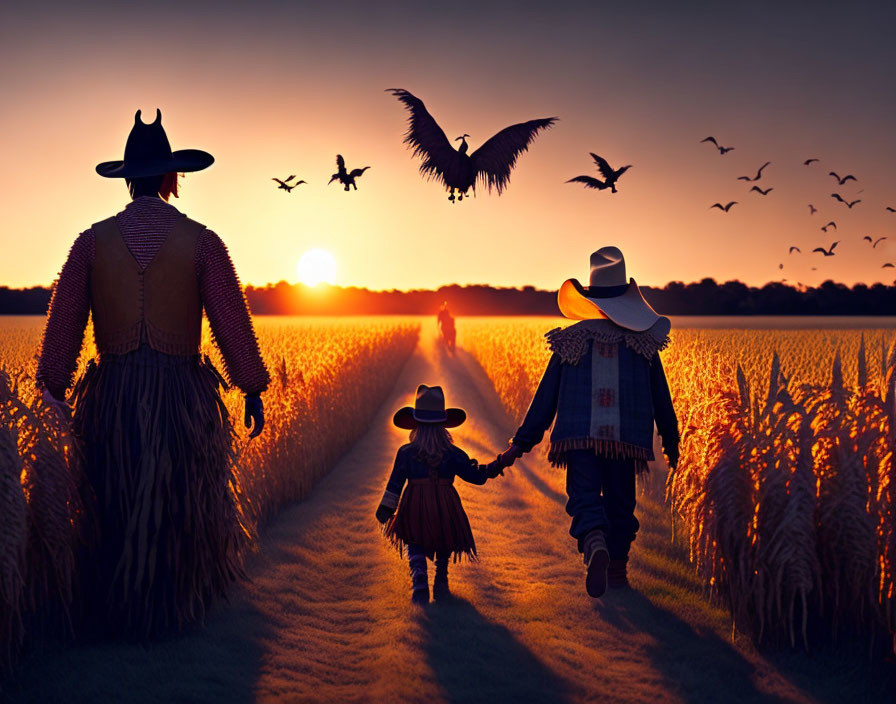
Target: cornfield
[
  {"x": 785, "y": 490},
  {"x": 329, "y": 379}
]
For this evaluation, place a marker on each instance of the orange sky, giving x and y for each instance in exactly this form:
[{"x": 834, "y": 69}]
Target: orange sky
[{"x": 281, "y": 88}]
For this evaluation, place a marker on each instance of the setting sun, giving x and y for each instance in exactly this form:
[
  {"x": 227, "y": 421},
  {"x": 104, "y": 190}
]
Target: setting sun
[{"x": 316, "y": 266}]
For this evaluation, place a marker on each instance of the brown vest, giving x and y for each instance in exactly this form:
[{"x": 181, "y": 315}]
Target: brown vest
[{"x": 159, "y": 305}]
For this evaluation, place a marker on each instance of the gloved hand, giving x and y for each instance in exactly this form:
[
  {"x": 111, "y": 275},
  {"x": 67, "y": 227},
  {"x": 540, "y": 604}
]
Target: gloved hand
[
  {"x": 671, "y": 453},
  {"x": 510, "y": 455},
  {"x": 254, "y": 414},
  {"x": 493, "y": 469},
  {"x": 61, "y": 407},
  {"x": 384, "y": 513}
]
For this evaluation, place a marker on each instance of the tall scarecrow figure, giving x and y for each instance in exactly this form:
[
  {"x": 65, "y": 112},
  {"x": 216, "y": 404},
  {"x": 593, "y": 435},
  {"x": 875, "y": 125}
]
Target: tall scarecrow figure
[
  {"x": 603, "y": 389},
  {"x": 156, "y": 437}
]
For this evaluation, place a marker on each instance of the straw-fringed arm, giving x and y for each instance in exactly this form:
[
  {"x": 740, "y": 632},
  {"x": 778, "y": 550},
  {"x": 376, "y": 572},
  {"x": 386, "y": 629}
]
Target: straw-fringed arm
[
  {"x": 69, "y": 311},
  {"x": 663, "y": 410},
  {"x": 542, "y": 409},
  {"x": 228, "y": 314}
]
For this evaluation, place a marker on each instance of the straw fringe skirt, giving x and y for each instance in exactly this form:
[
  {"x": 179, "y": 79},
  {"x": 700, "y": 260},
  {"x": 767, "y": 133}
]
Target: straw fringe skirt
[
  {"x": 158, "y": 449},
  {"x": 431, "y": 515}
]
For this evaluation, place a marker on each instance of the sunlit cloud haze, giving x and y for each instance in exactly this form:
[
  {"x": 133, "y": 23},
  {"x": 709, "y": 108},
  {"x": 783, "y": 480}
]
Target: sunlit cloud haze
[{"x": 276, "y": 88}]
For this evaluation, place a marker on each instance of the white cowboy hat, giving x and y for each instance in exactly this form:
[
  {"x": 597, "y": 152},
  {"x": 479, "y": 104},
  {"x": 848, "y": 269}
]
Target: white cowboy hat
[{"x": 609, "y": 295}]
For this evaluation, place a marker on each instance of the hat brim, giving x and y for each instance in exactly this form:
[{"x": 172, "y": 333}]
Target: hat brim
[
  {"x": 629, "y": 310},
  {"x": 183, "y": 160},
  {"x": 406, "y": 419}
]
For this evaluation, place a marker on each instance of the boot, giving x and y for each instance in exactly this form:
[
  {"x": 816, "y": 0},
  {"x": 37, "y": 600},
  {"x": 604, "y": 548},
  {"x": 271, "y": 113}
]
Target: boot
[
  {"x": 597, "y": 557},
  {"x": 617, "y": 577},
  {"x": 440, "y": 590},
  {"x": 419, "y": 580}
]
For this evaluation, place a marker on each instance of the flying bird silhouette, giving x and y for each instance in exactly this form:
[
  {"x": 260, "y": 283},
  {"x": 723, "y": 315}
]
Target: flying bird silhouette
[
  {"x": 458, "y": 171},
  {"x": 726, "y": 208},
  {"x": 824, "y": 228},
  {"x": 892, "y": 210},
  {"x": 795, "y": 249},
  {"x": 888, "y": 265},
  {"x": 286, "y": 185},
  {"x": 843, "y": 180},
  {"x": 827, "y": 252},
  {"x": 848, "y": 204},
  {"x": 876, "y": 242},
  {"x": 610, "y": 175},
  {"x": 722, "y": 150},
  {"x": 757, "y": 176},
  {"x": 812, "y": 209},
  {"x": 809, "y": 161},
  {"x": 346, "y": 178},
  {"x": 759, "y": 190}
]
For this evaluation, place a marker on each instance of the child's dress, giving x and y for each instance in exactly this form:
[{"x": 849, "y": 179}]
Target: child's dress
[{"x": 430, "y": 515}]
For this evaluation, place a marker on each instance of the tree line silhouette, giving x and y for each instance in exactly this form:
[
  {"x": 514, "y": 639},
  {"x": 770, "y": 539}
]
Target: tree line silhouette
[{"x": 705, "y": 297}]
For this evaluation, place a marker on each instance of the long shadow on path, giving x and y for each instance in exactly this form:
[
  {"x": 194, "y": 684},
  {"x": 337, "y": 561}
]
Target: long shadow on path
[{"x": 475, "y": 660}]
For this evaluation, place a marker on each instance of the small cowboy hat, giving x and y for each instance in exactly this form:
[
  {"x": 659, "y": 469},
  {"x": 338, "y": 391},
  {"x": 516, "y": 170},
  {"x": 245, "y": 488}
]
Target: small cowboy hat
[
  {"x": 609, "y": 295},
  {"x": 148, "y": 153},
  {"x": 429, "y": 407}
]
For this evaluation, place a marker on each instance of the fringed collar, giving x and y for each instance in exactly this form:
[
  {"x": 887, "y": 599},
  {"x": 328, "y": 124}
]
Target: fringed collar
[{"x": 572, "y": 342}]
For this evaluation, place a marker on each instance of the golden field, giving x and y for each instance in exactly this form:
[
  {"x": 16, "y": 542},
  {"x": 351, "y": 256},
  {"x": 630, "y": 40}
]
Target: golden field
[
  {"x": 786, "y": 487},
  {"x": 329, "y": 379}
]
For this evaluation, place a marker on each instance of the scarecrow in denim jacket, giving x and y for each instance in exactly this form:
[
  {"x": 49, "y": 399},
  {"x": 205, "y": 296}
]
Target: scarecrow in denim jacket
[{"x": 603, "y": 389}]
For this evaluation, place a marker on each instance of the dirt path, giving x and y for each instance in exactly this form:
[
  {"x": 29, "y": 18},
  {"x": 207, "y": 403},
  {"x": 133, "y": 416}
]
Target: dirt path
[{"x": 327, "y": 616}]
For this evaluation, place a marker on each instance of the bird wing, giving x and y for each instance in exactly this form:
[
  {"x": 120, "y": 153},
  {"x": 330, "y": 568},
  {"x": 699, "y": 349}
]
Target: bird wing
[
  {"x": 834, "y": 174},
  {"x": 602, "y": 165},
  {"x": 622, "y": 169},
  {"x": 852, "y": 203},
  {"x": 866, "y": 237},
  {"x": 358, "y": 172},
  {"x": 755, "y": 188},
  {"x": 878, "y": 241},
  {"x": 795, "y": 249},
  {"x": 820, "y": 249},
  {"x": 728, "y": 207},
  {"x": 834, "y": 245},
  {"x": 887, "y": 266},
  {"x": 744, "y": 178},
  {"x": 298, "y": 182},
  {"x": 278, "y": 181},
  {"x": 847, "y": 178},
  {"x": 427, "y": 139},
  {"x": 759, "y": 173},
  {"x": 710, "y": 139},
  {"x": 290, "y": 178},
  {"x": 589, "y": 182},
  {"x": 836, "y": 196},
  {"x": 340, "y": 162},
  {"x": 892, "y": 210},
  {"x": 809, "y": 161},
  {"x": 717, "y": 205},
  {"x": 493, "y": 160}
]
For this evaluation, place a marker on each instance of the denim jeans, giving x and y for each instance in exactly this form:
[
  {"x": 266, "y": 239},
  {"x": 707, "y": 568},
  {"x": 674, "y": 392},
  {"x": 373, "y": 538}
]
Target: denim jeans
[{"x": 602, "y": 495}]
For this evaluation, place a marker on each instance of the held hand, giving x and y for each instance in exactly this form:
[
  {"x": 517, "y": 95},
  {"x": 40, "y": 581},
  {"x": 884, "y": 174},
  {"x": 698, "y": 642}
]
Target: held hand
[
  {"x": 510, "y": 455},
  {"x": 494, "y": 469},
  {"x": 254, "y": 414}
]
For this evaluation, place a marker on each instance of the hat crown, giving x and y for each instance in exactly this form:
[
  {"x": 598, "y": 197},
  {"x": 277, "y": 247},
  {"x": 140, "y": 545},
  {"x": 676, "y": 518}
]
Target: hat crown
[
  {"x": 430, "y": 398},
  {"x": 147, "y": 141},
  {"x": 607, "y": 268}
]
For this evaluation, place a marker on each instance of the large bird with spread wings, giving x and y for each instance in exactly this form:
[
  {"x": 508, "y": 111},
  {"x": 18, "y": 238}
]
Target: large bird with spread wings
[{"x": 458, "y": 171}]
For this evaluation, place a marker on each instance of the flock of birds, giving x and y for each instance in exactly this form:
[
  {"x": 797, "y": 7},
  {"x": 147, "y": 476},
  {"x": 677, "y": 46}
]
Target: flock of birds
[
  {"x": 849, "y": 202},
  {"x": 459, "y": 170}
]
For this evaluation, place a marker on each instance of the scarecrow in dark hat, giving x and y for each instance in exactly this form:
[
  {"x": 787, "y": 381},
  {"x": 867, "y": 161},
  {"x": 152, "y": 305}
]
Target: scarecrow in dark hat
[
  {"x": 156, "y": 437},
  {"x": 603, "y": 390},
  {"x": 428, "y": 518}
]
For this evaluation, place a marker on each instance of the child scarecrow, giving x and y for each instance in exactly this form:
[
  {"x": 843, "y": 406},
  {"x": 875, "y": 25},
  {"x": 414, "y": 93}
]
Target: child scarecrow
[
  {"x": 155, "y": 434},
  {"x": 603, "y": 389},
  {"x": 427, "y": 517}
]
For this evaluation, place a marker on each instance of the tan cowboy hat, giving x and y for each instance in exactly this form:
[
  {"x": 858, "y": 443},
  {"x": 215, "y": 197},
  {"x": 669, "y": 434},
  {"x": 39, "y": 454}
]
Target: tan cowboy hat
[
  {"x": 609, "y": 295},
  {"x": 429, "y": 407}
]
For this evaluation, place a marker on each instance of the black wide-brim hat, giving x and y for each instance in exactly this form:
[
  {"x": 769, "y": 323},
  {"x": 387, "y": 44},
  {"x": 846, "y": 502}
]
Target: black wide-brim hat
[
  {"x": 429, "y": 408},
  {"x": 148, "y": 153}
]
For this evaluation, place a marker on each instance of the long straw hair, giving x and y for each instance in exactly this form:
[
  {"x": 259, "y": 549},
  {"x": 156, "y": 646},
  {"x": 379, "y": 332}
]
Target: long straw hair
[{"x": 432, "y": 441}]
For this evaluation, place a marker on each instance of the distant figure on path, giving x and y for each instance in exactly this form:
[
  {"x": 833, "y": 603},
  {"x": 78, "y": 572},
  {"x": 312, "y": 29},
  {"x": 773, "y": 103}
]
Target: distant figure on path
[
  {"x": 156, "y": 437},
  {"x": 605, "y": 386},
  {"x": 428, "y": 517},
  {"x": 446, "y": 326}
]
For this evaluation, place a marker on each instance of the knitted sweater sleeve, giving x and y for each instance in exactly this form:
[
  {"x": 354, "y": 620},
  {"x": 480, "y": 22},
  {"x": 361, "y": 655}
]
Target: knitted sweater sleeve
[
  {"x": 228, "y": 314},
  {"x": 543, "y": 408},
  {"x": 67, "y": 319}
]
